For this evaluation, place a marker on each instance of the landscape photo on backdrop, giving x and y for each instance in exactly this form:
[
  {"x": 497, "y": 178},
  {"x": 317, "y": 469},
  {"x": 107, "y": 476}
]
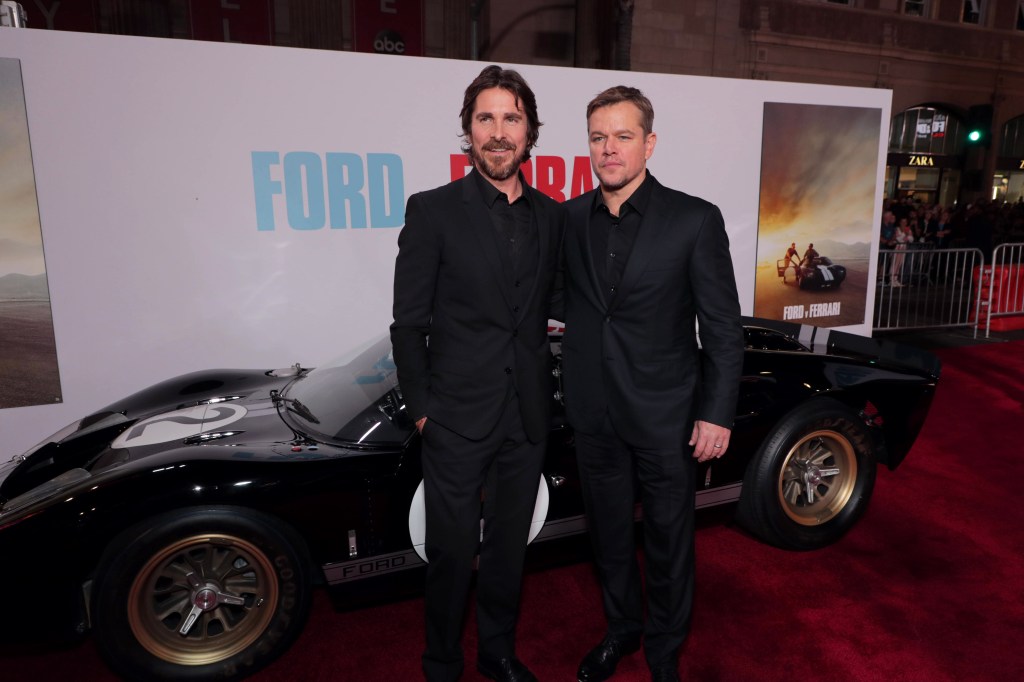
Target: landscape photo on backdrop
[{"x": 28, "y": 354}]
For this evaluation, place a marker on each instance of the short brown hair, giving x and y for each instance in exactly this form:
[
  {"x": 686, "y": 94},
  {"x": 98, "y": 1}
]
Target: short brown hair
[
  {"x": 496, "y": 77},
  {"x": 624, "y": 93}
]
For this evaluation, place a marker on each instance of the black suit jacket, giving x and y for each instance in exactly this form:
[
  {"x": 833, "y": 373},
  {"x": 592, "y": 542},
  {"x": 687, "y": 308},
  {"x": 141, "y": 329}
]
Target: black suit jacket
[
  {"x": 459, "y": 341},
  {"x": 635, "y": 358}
]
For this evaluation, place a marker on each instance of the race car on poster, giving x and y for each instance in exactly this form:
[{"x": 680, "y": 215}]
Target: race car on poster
[
  {"x": 818, "y": 272},
  {"x": 186, "y": 525}
]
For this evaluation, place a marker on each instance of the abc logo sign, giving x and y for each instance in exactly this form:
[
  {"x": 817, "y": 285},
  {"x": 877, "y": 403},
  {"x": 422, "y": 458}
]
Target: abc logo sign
[{"x": 389, "y": 42}]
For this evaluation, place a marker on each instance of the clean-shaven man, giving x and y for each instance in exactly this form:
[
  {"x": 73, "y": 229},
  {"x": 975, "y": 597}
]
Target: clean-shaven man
[{"x": 644, "y": 265}]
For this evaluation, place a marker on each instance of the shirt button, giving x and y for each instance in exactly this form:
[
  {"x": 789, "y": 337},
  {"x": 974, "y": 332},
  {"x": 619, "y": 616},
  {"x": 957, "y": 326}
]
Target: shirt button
[
  {"x": 608, "y": 319},
  {"x": 508, "y": 370},
  {"x": 518, "y": 283},
  {"x": 515, "y": 309},
  {"x": 611, "y": 255}
]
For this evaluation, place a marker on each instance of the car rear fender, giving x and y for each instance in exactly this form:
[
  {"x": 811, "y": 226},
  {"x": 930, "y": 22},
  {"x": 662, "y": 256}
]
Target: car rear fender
[{"x": 890, "y": 385}]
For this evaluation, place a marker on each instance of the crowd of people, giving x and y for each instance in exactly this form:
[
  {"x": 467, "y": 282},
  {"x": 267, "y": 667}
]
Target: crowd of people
[
  {"x": 982, "y": 224},
  {"x": 909, "y": 224}
]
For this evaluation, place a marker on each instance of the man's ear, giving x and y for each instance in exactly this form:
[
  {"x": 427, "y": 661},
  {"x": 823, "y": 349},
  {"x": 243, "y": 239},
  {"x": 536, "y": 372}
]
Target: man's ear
[{"x": 652, "y": 139}]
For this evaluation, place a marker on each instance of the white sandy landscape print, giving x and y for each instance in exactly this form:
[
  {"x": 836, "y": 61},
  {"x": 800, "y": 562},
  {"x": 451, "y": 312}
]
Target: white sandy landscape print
[{"x": 28, "y": 353}]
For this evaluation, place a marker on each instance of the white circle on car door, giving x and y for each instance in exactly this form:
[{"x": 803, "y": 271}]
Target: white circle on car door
[{"x": 418, "y": 517}]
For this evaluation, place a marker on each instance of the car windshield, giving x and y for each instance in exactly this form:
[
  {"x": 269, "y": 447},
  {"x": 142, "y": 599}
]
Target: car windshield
[{"x": 353, "y": 400}]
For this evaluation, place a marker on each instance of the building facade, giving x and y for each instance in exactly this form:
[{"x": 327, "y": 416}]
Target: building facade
[{"x": 954, "y": 66}]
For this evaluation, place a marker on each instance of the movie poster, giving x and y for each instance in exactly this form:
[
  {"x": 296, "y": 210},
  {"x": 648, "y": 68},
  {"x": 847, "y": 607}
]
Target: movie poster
[
  {"x": 28, "y": 353},
  {"x": 815, "y": 224}
]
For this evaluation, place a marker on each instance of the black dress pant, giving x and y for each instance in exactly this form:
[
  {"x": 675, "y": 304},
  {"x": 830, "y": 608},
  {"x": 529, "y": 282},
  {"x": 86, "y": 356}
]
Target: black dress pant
[
  {"x": 607, "y": 466},
  {"x": 505, "y": 467}
]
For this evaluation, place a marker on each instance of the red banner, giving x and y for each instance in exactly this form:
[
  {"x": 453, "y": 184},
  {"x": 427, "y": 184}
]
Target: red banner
[
  {"x": 388, "y": 26},
  {"x": 232, "y": 21}
]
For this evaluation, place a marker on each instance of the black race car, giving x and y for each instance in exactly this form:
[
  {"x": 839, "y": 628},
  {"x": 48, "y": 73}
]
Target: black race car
[
  {"x": 187, "y": 524},
  {"x": 817, "y": 272}
]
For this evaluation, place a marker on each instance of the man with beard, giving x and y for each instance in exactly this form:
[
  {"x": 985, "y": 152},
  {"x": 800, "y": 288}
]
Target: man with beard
[
  {"x": 475, "y": 269},
  {"x": 643, "y": 265}
]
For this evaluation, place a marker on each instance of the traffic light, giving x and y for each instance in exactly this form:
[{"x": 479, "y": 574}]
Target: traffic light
[{"x": 979, "y": 125}]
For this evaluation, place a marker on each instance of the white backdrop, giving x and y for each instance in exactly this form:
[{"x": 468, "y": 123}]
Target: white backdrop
[{"x": 148, "y": 187}]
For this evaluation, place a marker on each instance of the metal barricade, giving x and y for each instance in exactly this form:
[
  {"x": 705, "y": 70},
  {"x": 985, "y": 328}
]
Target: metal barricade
[
  {"x": 924, "y": 288},
  {"x": 1004, "y": 282}
]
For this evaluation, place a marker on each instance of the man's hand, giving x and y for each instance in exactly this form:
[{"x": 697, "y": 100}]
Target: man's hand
[
  {"x": 419, "y": 424},
  {"x": 709, "y": 441}
]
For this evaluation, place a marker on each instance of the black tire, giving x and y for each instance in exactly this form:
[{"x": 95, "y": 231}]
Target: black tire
[
  {"x": 157, "y": 573},
  {"x": 811, "y": 480}
]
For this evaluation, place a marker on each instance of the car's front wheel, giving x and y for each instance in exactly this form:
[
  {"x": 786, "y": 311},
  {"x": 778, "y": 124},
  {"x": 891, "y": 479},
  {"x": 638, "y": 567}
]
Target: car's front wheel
[
  {"x": 811, "y": 479},
  {"x": 202, "y": 594}
]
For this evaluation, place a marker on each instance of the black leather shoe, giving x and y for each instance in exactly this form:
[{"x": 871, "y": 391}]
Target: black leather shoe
[
  {"x": 664, "y": 675},
  {"x": 599, "y": 664},
  {"x": 505, "y": 670}
]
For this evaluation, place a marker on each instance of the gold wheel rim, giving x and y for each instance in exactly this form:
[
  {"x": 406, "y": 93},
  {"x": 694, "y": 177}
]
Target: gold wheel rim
[
  {"x": 818, "y": 477},
  {"x": 226, "y": 583}
]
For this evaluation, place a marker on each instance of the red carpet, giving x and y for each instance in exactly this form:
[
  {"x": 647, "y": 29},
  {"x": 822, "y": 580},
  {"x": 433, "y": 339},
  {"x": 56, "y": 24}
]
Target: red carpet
[{"x": 927, "y": 588}]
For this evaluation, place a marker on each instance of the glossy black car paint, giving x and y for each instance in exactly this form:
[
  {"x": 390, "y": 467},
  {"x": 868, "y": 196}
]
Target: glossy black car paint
[{"x": 350, "y": 502}]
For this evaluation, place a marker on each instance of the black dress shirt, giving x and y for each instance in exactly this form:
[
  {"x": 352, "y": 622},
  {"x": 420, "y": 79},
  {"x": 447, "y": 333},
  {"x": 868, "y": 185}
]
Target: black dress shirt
[
  {"x": 612, "y": 237},
  {"x": 516, "y": 231}
]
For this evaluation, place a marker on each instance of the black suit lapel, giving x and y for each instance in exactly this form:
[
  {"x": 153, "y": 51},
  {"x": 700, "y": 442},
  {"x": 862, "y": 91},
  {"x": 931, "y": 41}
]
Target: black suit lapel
[
  {"x": 587, "y": 255},
  {"x": 540, "y": 219},
  {"x": 649, "y": 239}
]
